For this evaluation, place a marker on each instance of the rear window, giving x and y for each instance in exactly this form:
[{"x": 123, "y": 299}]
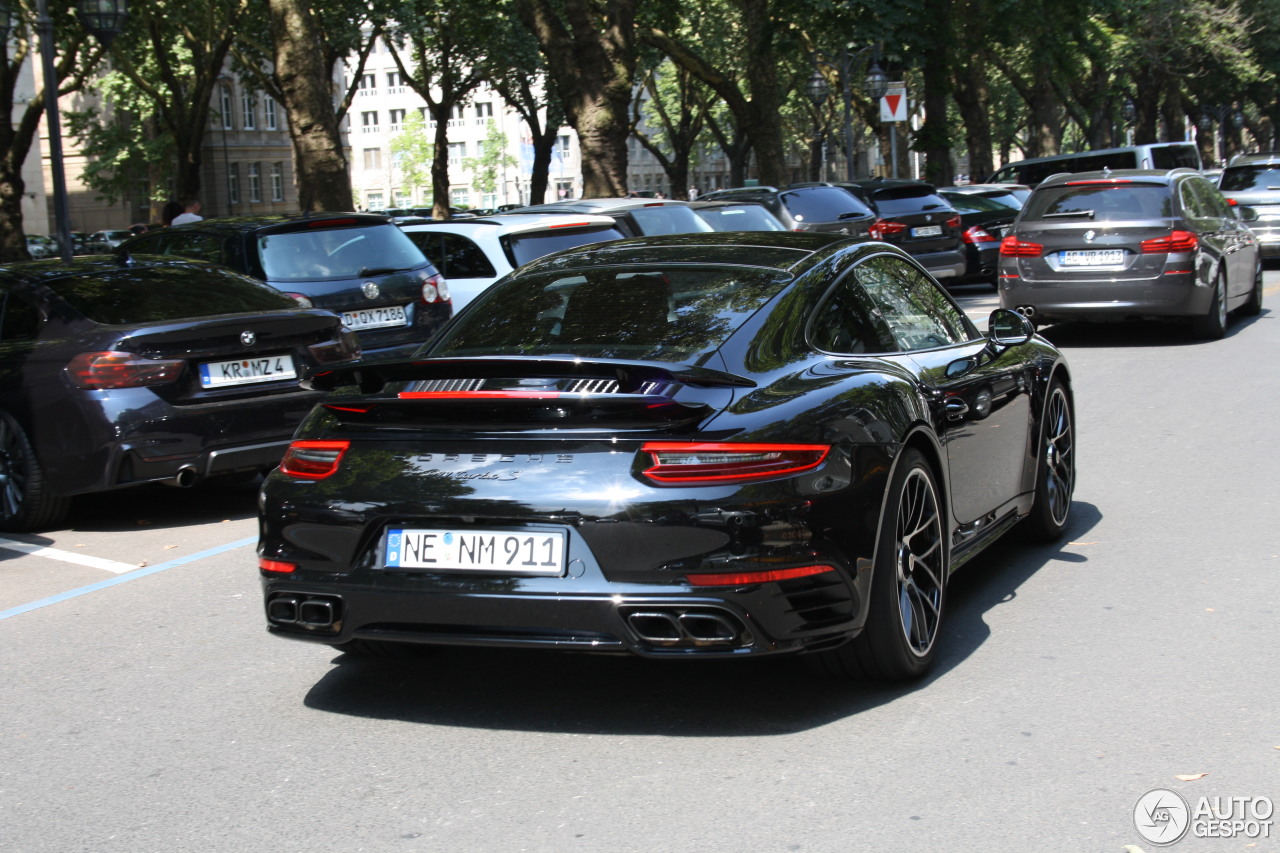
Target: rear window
[
  {"x": 661, "y": 313},
  {"x": 1257, "y": 179},
  {"x": 968, "y": 203},
  {"x": 1174, "y": 157},
  {"x": 1100, "y": 202},
  {"x": 824, "y": 204},
  {"x": 746, "y": 217},
  {"x": 899, "y": 201},
  {"x": 147, "y": 294},
  {"x": 335, "y": 253},
  {"x": 522, "y": 248},
  {"x": 672, "y": 219}
]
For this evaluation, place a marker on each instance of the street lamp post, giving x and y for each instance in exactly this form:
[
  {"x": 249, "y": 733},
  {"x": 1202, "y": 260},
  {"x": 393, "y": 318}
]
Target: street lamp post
[
  {"x": 817, "y": 91},
  {"x": 876, "y": 85},
  {"x": 104, "y": 19},
  {"x": 1128, "y": 113}
]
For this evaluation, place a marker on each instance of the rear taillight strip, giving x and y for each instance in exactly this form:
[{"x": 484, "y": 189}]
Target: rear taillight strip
[
  {"x": 702, "y": 463},
  {"x": 744, "y": 578}
]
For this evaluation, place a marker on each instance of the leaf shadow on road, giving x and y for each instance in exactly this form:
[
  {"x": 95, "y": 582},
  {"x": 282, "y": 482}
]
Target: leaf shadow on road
[{"x": 585, "y": 694}]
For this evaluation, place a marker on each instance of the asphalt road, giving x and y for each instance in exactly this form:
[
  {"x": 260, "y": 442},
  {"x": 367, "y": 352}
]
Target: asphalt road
[{"x": 144, "y": 707}]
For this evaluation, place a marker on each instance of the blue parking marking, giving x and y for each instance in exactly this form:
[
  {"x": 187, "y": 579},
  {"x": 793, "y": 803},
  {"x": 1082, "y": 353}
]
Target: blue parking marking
[{"x": 140, "y": 573}]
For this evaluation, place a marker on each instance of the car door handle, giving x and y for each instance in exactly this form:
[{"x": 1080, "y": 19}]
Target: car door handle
[{"x": 956, "y": 409}]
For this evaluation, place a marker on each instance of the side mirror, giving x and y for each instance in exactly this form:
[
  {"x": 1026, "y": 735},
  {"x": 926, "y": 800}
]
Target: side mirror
[{"x": 1009, "y": 328}]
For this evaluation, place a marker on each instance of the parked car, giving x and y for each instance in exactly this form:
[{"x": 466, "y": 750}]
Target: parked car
[
  {"x": 1131, "y": 244},
  {"x": 161, "y": 370},
  {"x": 1161, "y": 156},
  {"x": 911, "y": 215},
  {"x": 41, "y": 246},
  {"x": 635, "y": 217},
  {"x": 474, "y": 253},
  {"x": 105, "y": 241},
  {"x": 811, "y": 207},
  {"x": 737, "y": 216},
  {"x": 741, "y": 444},
  {"x": 984, "y": 221},
  {"x": 357, "y": 265},
  {"x": 1253, "y": 180}
]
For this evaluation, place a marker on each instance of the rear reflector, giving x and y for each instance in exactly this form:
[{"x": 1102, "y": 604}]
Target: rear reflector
[
  {"x": 275, "y": 566},
  {"x": 744, "y": 578},
  {"x": 698, "y": 463},
  {"x": 313, "y": 460}
]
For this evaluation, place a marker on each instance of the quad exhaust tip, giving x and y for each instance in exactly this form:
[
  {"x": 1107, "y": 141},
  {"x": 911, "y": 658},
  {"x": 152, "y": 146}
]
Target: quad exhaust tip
[
  {"x": 312, "y": 612},
  {"x": 686, "y": 628}
]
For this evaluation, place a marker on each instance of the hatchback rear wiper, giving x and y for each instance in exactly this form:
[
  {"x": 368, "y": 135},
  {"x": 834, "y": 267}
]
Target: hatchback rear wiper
[
  {"x": 1070, "y": 214},
  {"x": 366, "y": 271}
]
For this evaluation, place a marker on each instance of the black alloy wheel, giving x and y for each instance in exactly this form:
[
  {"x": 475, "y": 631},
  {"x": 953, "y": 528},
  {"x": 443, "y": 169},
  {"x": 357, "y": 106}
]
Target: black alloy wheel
[
  {"x": 24, "y": 503},
  {"x": 1055, "y": 468},
  {"x": 908, "y": 585}
]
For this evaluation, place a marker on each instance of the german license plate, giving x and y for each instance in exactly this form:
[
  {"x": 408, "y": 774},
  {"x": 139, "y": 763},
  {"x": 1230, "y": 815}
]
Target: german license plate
[
  {"x": 926, "y": 231},
  {"x": 375, "y": 318},
  {"x": 1093, "y": 258},
  {"x": 507, "y": 552},
  {"x": 243, "y": 371}
]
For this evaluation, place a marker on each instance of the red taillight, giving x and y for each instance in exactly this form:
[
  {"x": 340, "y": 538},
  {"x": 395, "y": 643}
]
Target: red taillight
[
  {"x": 1232, "y": 201},
  {"x": 975, "y": 234},
  {"x": 696, "y": 463},
  {"x": 313, "y": 460},
  {"x": 1012, "y": 247},
  {"x": 743, "y": 578},
  {"x": 885, "y": 227},
  {"x": 276, "y": 566},
  {"x": 1178, "y": 241},
  {"x": 954, "y": 222},
  {"x": 100, "y": 370},
  {"x": 434, "y": 289},
  {"x": 300, "y": 298}
]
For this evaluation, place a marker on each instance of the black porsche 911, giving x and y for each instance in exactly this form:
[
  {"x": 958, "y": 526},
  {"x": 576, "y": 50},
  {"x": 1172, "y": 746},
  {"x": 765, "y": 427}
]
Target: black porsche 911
[{"x": 714, "y": 445}]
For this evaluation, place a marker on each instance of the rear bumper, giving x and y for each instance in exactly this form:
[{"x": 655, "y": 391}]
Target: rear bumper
[
  {"x": 943, "y": 265},
  {"x": 1168, "y": 296}
]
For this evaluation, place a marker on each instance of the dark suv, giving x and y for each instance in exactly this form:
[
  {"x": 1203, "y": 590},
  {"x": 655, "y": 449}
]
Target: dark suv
[
  {"x": 1253, "y": 180},
  {"x": 357, "y": 265},
  {"x": 1131, "y": 244},
  {"x": 809, "y": 207},
  {"x": 912, "y": 216}
]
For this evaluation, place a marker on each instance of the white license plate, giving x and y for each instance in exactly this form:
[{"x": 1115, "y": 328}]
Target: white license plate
[
  {"x": 926, "y": 231},
  {"x": 508, "y": 552},
  {"x": 1093, "y": 258},
  {"x": 243, "y": 371},
  {"x": 375, "y": 318}
]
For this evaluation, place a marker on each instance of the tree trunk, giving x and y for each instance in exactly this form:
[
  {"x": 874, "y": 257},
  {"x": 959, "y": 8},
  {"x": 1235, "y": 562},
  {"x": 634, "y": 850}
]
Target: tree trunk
[
  {"x": 973, "y": 101},
  {"x": 321, "y": 171}
]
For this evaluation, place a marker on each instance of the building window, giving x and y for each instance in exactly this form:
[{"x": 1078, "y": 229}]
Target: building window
[
  {"x": 562, "y": 145},
  {"x": 277, "y": 182},
  {"x": 404, "y": 198},
  {"x": 396, "y": 117},
  {"x": 372, "y": 159},
  {"x": 247, "y": 110},
  {"x": 459, "y": 198},
  {"x": 484, "y": 113},
  {"x": 373, "y": 201},
  {"x": 369, "y": 121},
  {"x": 457, "y": 115},
  {"x": 457, "y": 152},
  {"x": 255, "y": 183},
  {"x": 395, "y": 83},
  {"x": 367, "y": 85},
  {"x": 269, "y": 112},
  {"x": 224, "y": 106},
  {"x": 233, "y": 183}
]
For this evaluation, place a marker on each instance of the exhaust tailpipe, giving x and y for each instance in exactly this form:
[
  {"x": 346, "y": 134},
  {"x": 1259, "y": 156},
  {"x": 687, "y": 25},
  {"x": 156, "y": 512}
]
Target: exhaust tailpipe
[
  {"x": 185, "y": 478},
  {"x": 1027, "y": 311}
]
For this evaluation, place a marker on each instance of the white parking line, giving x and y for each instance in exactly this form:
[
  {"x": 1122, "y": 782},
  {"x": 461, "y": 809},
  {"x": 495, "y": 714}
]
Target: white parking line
[{"x": 67, "y": 556}]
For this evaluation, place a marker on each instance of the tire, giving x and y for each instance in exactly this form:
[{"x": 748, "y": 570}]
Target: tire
[
  {"x": 1253, "y": 305},
  {"x": 25, "y": 503},
  {"x": 1055, "y": 468},
  {"x": 1213, "y": 325},
  {"x": 908, "y": 584}
]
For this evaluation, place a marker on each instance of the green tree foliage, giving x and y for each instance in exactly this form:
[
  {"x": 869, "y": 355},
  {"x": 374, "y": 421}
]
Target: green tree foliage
[
  {"x": 494, "y": 158},
  {"x": 412, "y": 152}
]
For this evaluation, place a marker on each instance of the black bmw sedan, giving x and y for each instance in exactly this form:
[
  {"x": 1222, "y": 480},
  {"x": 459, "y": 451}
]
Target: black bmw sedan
[
  {"x": 155, "y": 371},
  {"x": 716, "y": 444}
]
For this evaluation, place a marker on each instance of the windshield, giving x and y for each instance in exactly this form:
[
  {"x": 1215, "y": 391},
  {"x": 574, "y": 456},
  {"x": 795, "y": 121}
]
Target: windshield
[
  {"x": 672, "y": 313},
  {"x": 325, "y": 253}
]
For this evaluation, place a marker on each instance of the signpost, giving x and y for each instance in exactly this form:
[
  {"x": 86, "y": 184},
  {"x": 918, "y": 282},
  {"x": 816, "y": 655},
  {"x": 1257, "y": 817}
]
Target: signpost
[{"x": 893, "y": 108}]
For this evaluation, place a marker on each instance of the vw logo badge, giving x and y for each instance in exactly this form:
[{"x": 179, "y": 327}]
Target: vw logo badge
[
  {"x": 248, "y": 338},
  {"x": 370, "y": 290},
  {"x": 1089, "y": 235}
]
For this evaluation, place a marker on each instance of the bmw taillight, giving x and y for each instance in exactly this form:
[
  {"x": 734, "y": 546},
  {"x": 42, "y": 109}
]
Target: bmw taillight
[
  {"x": 976, "y": 234},
  {"x": 884, "y": 227},
  {"x": 102, "y": 370},
  {"x": 682, "y": 463},
  {"x": 1012, "y": 247},
  {"x": 346, "y": 347},
  {"x": 313, "y": 460},
  {"x": 434, "y": 289},
  {"x": 302, "y": 300},
  {"x": 1178, "y": 241},
  {"x": 954, "y": 222}
]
